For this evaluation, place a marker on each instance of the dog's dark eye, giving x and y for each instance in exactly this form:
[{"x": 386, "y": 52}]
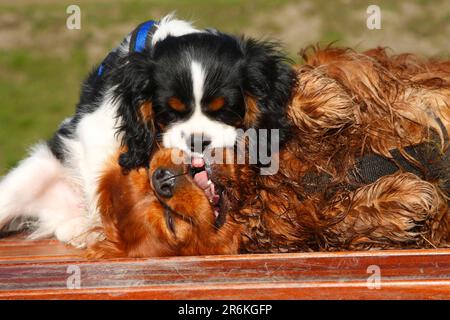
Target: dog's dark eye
[
  {"x": 216, "y": 104},
  {"x": 176, "y": 104},
  {"x": 169, "y": 220}
]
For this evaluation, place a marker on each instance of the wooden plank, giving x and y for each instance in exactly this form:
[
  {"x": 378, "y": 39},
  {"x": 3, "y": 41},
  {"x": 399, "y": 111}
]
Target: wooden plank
[
  {"x": 404, "y": 290},
  {"x": 405, "y": 274},
  {"x": 16, "y": 249}
]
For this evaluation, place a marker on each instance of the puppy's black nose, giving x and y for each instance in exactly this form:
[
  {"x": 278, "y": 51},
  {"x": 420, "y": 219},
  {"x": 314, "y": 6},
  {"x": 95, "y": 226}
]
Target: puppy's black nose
[
  {"x": 198, "y": 142},
  {"x": 163, "y": 181}
]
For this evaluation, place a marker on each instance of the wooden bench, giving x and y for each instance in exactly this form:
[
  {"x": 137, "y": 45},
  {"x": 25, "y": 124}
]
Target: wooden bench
[{"x": 45, "y": 269}]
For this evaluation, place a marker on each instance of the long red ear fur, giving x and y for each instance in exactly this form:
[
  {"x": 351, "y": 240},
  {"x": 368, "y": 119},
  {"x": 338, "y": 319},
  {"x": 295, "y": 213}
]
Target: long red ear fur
[
  {"x": 105, "y": 249},
  {"x": 110, "y": 188},
  {"x": 348, "y": 104}
]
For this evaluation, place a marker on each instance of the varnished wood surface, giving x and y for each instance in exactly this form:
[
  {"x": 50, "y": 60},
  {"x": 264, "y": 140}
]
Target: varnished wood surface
[{"x": 41, "y": 269}]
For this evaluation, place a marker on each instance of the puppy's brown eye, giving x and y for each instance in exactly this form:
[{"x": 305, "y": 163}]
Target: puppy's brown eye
[
  {"x": 176, "y": 104},
  {"x": 216, "y": 104}
]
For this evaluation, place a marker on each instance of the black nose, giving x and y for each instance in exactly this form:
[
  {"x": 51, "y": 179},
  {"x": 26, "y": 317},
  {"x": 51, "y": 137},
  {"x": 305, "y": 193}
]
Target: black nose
[
  {"x": 163, "y": 181},
  {"x": 198, "y": 142}
]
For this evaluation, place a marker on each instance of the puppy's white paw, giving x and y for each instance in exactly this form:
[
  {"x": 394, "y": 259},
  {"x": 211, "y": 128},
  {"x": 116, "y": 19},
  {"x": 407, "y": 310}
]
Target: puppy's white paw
[{"x": 73, "y": 232}]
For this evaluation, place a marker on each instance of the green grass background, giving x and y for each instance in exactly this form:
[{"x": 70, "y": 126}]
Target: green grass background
[{"x": 42, "y": 63}]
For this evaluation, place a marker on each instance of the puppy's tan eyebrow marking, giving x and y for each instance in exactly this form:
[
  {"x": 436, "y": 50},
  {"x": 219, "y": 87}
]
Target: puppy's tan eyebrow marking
[
  {"x": 216, "y": 104},
  {"x": 176, "y": 104}
]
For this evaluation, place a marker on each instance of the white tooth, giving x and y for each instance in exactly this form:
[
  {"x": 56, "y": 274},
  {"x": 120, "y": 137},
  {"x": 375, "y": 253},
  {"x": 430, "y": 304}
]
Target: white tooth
[{"x": 209, "y": 182}]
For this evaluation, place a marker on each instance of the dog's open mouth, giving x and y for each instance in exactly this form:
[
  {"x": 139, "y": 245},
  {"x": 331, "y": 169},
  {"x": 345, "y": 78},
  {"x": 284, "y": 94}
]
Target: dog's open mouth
[{"x": 200, "y": 172}]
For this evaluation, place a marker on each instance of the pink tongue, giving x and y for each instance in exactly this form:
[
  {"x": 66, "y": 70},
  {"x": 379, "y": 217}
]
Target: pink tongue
[
  {"x": 201, "y": 179},
  {"x": 197, "y": 162}
]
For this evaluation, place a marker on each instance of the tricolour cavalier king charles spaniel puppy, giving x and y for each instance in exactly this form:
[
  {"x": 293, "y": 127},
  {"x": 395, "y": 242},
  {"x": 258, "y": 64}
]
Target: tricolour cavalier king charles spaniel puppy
[
  {"x": 367, "y": 167},
  {"x": 167, "y": 84}
]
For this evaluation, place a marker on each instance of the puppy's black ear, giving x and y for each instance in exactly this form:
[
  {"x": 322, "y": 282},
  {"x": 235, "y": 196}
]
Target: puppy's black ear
[
  {"x": 133, "y": 93},
  {"x": 268, "y": 81}
]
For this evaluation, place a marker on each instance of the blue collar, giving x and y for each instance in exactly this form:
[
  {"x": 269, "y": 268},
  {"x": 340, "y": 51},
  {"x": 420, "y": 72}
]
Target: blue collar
[
  {"x": 140, "y": 36},
  {"x": 139, "y": 40}
]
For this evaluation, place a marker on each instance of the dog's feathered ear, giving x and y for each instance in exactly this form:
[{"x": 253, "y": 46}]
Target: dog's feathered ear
[
  {"x": 136, "y": 125},
  {"x": 268, "y": 82}
]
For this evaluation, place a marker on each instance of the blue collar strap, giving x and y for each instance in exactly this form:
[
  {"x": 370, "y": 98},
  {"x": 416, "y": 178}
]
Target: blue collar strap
[
  {"x": 140, "y": 35},
  {"x": 139, "y": 40}
]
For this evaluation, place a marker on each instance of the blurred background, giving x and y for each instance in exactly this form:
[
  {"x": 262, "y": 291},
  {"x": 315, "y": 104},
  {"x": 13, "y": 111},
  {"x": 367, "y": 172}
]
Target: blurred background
[{"x": 42, "y": 63}]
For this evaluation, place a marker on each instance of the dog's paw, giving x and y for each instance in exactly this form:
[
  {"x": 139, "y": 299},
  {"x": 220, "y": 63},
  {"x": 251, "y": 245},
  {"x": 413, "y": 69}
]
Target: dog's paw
[{"x": 73, "y": 232}]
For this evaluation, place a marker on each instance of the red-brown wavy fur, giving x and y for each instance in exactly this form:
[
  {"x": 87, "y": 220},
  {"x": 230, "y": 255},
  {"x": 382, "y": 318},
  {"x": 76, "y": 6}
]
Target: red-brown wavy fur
[{"x": 345, "y": 105}]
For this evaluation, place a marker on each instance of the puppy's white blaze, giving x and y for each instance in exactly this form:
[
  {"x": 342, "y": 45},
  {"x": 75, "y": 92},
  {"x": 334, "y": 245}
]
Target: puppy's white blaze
[
  {"x": 198, "y": 82},
  {"x": 221, "y": 135},
  {"x": 169, "y": 26}
]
